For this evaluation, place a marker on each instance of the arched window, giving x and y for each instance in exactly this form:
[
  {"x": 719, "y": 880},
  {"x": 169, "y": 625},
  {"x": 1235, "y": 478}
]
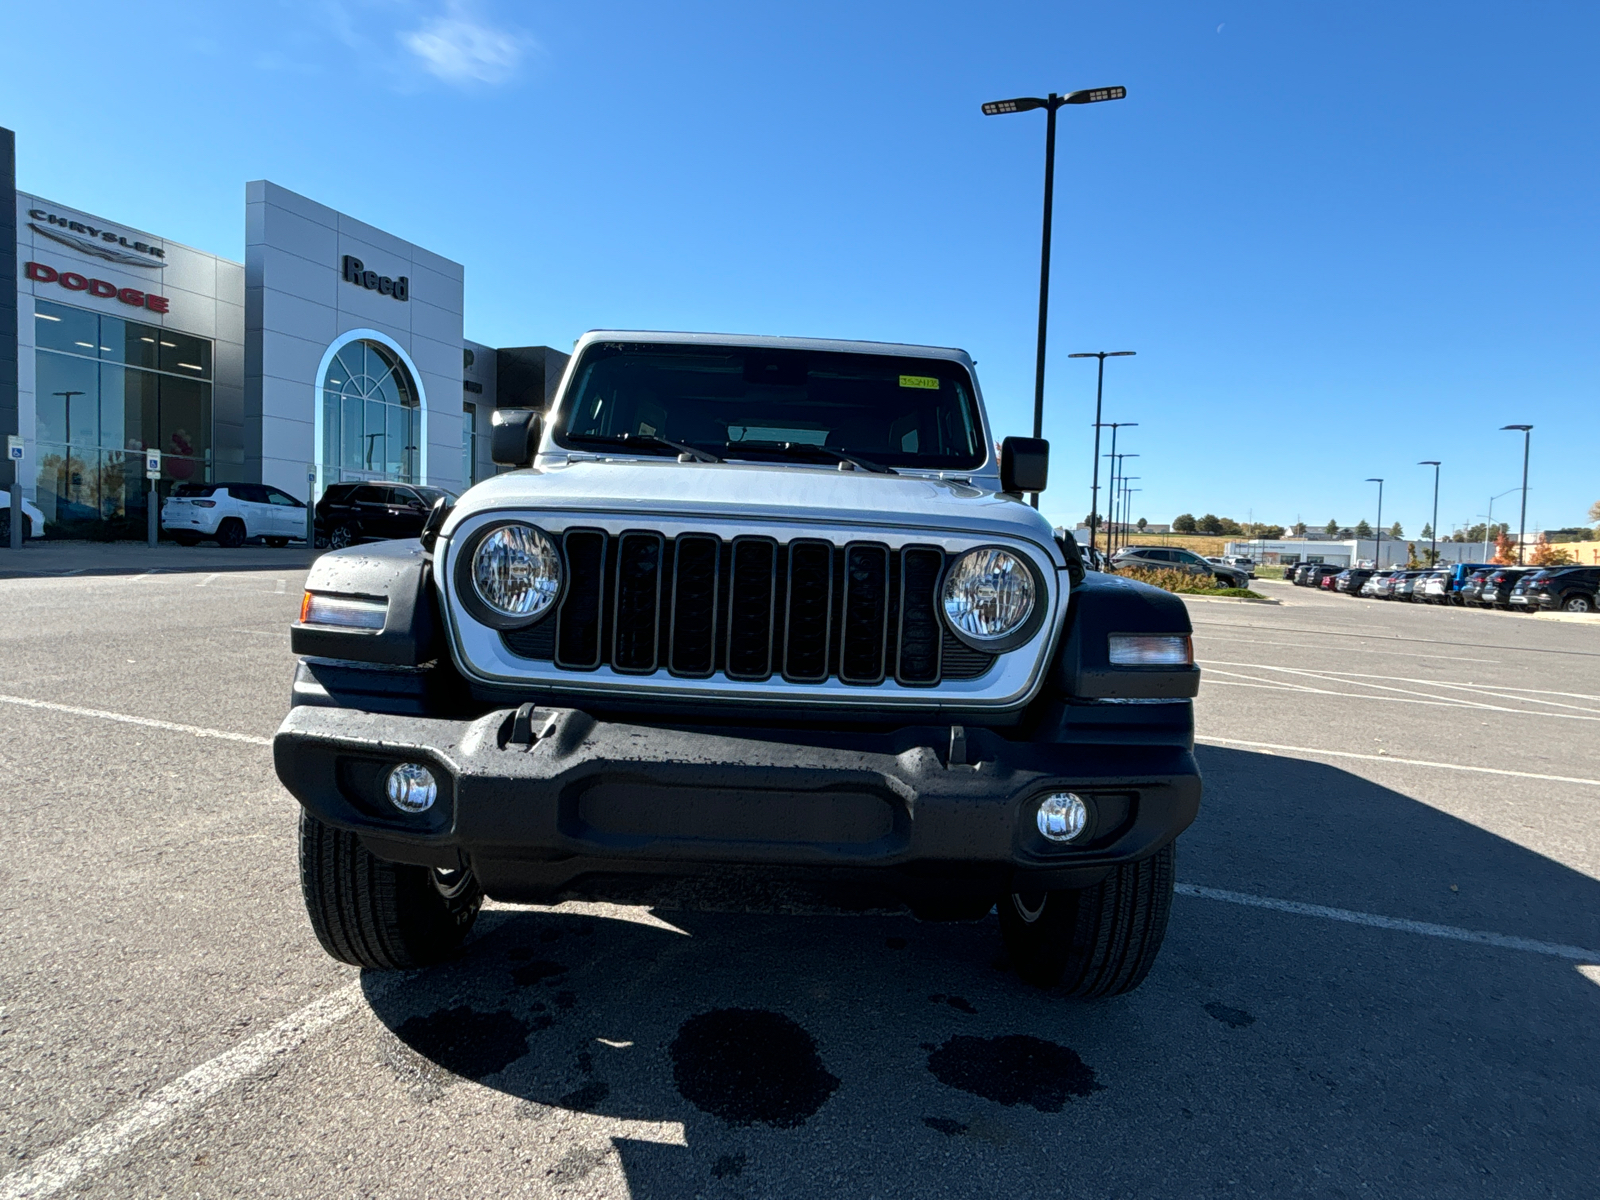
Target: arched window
[{"x": 371, "y": 423}]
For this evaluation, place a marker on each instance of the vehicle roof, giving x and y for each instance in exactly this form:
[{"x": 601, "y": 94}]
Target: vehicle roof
[{"x": 768, "y": 341}]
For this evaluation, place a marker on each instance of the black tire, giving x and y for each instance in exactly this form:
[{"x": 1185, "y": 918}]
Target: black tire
[
  {"x": 372, "y": 913},
  {"x": 230, "y": 534},
  {"x": 277, "y": 543},
  {"x": 1095, "y": 941},
  {"x": 186, "y": 539},
  {"x": 342, "y": 536},
  {"x": 1578, "y": 604}
]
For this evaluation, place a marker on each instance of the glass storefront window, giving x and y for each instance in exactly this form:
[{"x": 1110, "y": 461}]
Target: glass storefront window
[
  {"x": 370, "y": 416},
  {"x": 104, "y": 393}
]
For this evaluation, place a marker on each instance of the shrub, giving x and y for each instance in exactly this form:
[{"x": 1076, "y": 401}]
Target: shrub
[{"x": 1183, "y": 583}]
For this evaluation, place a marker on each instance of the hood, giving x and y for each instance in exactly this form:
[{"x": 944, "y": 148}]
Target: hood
[{"x": 788, "y": 492}]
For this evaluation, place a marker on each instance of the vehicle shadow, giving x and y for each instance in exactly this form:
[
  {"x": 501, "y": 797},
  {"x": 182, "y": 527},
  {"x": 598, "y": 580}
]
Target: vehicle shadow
[{"x": 1268, "y": 1053}]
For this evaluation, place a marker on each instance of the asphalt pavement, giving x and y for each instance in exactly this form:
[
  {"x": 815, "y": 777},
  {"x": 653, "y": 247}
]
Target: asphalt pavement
[{"x": 1382, "y": 976}]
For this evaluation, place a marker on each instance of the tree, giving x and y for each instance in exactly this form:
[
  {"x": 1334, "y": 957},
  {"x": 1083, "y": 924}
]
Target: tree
[
  {"x": 1092, "y": 521},
  {"x": 1210, "y": 523},
  {"x": 1594, "y": 512},
  {"x": 1183, "y": 523},
  {"x": 1331, "y": 529},
  {"x": 1363, "y": 530},
  {"x": 1143, "y": 524},
  {"x": 1395, "y": 531},
  {"x": 1546, "y": 555},
  {"x": 1299, "y": 529},
  {"x": 1427, "y": 530},
  {"x": 1505, "y": 550}
]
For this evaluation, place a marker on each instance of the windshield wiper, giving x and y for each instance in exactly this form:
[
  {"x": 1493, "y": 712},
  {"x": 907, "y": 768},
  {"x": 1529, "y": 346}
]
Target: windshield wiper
[
  {"x": 814, "y": 451},
  {"x": 633, "y": 440}
]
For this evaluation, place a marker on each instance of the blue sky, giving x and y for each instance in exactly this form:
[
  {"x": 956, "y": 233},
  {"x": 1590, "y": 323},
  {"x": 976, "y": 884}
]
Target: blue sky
[{"x": 1341, "y": 237}]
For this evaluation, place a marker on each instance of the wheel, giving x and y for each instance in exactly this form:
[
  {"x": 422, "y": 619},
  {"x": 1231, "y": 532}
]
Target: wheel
[
  {"x": 186, "y": 538},
  {"x": 277, "y": 543},
  {"x": 230, "y": 534},
  {"x": 372, "y": 913},
  {"x": 1095, "y": 941},
  {"x": 342, "y": 536},
  {"x": 1578, "y": 604}
]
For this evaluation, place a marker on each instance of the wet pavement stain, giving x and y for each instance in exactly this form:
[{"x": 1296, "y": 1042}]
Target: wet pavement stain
[
  {"x": 944, "y": 1125},
  {"x": 1236, "y": 1018},
  {"x": 1016, "y": 1069},
  {"x": 748, "y": 1066},
  {"x": 466, "y": 1042},
  {"x": 728, "y": 1166},
  {"x": 535, "y": 971}
]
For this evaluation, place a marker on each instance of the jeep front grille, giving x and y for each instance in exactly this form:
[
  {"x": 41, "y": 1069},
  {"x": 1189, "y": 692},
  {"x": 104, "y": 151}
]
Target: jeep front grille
[{"x": 749, "y": 608}]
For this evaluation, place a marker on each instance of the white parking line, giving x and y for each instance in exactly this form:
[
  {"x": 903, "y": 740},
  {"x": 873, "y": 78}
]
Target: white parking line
[
  {"x": 206, "y": 582},
  {"x": 1503, "y": 941},
  {"x": 1388, "y": 758},
  {"x": 94, "y": 1147},
  {"x": 101, "y": 715}
]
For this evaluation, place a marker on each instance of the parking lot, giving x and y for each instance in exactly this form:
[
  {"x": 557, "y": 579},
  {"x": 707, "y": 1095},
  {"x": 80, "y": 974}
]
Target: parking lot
[{"x": 1382, "y": 975}]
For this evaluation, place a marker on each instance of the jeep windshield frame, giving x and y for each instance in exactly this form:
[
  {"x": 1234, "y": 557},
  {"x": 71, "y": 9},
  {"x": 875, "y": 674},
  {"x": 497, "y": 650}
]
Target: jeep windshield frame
[{"x": 903, "y": 412}]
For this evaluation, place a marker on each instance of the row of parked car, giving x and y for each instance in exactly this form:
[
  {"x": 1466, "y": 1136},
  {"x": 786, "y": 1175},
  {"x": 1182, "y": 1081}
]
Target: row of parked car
[
  {"x": 232, "y": 514},
  {"x": 1481, "y": 585}
]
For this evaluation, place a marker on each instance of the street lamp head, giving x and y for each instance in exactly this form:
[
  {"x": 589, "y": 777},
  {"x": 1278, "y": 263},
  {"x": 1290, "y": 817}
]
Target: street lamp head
[
  {"x": 997, "y": 108},
  {"x": 1519, "y": 428},
  {"x": 1430, "y": 462},
  {"x": 1094, "y": 95},
  {"x": 1104, "y": 354},
  {"x": 1374, "y": 481},
  {"x": 1121, "y": 353}
]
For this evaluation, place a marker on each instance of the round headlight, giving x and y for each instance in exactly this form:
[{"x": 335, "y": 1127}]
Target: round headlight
[
  {"x": 516, "y": 571},
  {"x": 988, "y": 595}
]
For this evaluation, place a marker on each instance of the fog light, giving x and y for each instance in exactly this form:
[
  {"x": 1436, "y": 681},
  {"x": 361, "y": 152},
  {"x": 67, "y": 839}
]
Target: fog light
[
  {"x": 412, "y": 788},
  {"x": 1062, "y": 816}
]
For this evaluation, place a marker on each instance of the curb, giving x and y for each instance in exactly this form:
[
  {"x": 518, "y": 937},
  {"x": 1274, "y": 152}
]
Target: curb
[
  {"x": 1226, "y": 599},
  {"x": 1574, "y": 618}
]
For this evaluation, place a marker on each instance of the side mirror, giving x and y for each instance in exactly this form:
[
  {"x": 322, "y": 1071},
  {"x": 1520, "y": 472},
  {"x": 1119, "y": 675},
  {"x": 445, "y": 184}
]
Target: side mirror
[
  {"x": 515, "y": 437},
  {"x": 1024, "y": 464}
]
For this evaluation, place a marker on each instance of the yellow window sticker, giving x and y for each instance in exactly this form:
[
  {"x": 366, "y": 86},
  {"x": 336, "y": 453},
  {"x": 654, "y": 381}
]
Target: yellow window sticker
[{"x": 920, "y": 381}]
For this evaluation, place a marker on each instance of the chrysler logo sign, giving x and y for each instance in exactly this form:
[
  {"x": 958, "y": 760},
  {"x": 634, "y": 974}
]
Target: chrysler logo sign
[
  {"x": 356, "y": 272},
  {"x": 102, "y": 243}
]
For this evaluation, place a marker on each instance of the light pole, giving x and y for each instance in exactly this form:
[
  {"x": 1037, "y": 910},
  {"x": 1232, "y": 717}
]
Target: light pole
[
  {"x": 1127, "y": 504},
  {"x": 1488, "y": 519},
  {"x": 1522, "y": 524},
  {"x": 1377, "y": 554},
  {"x": 1050, "y": 103},
  {"x": 1433, "y": 529},
  {"x": 1098, "y": 426},
  {"x": 1099, "y": 391},
  {"x": 1115, "y": 489}
]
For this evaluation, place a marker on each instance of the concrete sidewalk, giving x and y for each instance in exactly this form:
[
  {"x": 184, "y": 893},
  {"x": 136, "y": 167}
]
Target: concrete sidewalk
[{"x": 47, "y": 558}]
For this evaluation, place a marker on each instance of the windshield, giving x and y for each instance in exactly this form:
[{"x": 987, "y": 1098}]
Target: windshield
[{"x": 743, "y": 402}]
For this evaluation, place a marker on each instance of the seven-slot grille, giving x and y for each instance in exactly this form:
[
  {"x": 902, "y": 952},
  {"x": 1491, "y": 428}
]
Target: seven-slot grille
[{"x": 750, "y": 608}]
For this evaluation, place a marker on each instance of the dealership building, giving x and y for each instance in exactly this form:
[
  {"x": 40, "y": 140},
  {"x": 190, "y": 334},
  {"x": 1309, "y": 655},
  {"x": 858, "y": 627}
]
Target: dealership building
[{"x": 334, "y": 352}]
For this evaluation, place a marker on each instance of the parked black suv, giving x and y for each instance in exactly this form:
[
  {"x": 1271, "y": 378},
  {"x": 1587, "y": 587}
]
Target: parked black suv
[
  {"x": 1496, "y": 592},
  {"x": 1559, "y": 589},
  {"x": 360, "y": 512},
  {"x": 1351, "y": 579}
]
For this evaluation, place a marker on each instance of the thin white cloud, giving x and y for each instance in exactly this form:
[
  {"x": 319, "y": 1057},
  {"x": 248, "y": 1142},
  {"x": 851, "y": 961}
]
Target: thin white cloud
[{"x": 461, "y": 49}]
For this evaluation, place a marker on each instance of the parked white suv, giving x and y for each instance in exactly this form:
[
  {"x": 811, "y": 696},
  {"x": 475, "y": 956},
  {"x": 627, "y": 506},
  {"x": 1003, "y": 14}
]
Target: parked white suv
[{"x": 232, "y": 513}]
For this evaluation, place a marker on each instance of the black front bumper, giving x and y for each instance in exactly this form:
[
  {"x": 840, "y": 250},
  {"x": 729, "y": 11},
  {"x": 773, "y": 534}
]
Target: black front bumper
[{"x": 595, "y": 807}]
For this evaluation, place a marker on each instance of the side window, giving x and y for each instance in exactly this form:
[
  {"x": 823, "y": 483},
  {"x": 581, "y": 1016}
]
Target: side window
[
  {"x": 250, "y": 493},
  {"x": 1158, "y": 555},
  {"x": 368, "y": 494},
  {"x": 274, "y": 496}
]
